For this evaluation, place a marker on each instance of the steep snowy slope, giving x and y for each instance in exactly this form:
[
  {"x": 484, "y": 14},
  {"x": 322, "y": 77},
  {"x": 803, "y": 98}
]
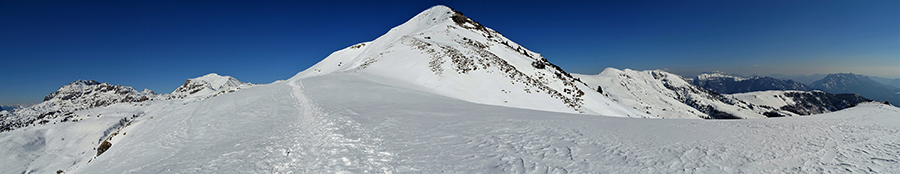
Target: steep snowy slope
[
  {"x": 347, "y": 123},
  {"x": 441, "y": 51}
]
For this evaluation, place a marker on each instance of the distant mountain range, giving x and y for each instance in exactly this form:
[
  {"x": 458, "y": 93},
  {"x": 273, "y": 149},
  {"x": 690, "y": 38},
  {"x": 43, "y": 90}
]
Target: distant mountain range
[
  {"x": 809, "y": 79},
  {"x": 860, "y": 84},
  {"x": 839, "y": 83},
  {"x": 730, "y": 84}
]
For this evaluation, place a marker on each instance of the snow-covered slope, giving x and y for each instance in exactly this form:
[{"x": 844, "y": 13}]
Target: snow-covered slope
[
  {"x": 67, "y": 129},
  {"x": 443, "y": 52},
  {"x": 801, "y": 102},
  {"x": 348, "y": 123},
  {"x": 667, "y": 95}
]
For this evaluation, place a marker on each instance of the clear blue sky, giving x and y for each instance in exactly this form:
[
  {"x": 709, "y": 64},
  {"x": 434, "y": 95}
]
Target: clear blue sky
[{"x": 159, "y": 44}]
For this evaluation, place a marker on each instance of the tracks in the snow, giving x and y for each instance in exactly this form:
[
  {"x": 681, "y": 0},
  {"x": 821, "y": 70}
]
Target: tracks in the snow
[{"x": 330, "y": 143}]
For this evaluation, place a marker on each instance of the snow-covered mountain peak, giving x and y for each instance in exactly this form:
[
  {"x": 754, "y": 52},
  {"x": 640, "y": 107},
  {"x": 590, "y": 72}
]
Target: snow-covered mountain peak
[
  {"x": 204, "y": 86},
  {"x": 218, "y": 82},
  {"x": 78, "y": 95},
  {"x": 90, "y": 89},
  {"x": 442, "y": 51}
]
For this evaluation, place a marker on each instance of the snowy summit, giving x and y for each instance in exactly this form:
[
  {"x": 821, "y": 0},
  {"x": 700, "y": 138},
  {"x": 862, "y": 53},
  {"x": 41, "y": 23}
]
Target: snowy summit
[
  {"x": 207, "y": 86},
  {"x": 444, "y": 52}
]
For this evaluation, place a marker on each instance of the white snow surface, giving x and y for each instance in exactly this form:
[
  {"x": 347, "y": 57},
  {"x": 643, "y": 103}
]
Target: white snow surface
[{"x": 350, "y": 123}]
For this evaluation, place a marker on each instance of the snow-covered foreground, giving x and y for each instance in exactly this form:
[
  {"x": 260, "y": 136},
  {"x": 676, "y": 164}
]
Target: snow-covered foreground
[{"x": 345, "y": 122}]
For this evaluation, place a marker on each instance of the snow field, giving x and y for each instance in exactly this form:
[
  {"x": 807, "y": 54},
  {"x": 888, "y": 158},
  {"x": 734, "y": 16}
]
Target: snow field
[{"x": 357, "y": 123}]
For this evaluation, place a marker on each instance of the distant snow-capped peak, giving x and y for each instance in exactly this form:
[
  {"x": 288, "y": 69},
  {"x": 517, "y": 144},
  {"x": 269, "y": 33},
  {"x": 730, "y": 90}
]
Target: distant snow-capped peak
[{"x": 210, "y": 84}]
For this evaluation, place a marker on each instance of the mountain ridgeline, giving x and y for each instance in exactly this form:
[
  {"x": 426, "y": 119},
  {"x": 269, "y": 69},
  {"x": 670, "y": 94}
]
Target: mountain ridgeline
[
  {"x": 61, "y": 105},
  {"x": 860, "y": 84},
  {"x": 841, "y": 83},
  {"x": 730, "y": 84},
  {"x": 667, "y": 95}
]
